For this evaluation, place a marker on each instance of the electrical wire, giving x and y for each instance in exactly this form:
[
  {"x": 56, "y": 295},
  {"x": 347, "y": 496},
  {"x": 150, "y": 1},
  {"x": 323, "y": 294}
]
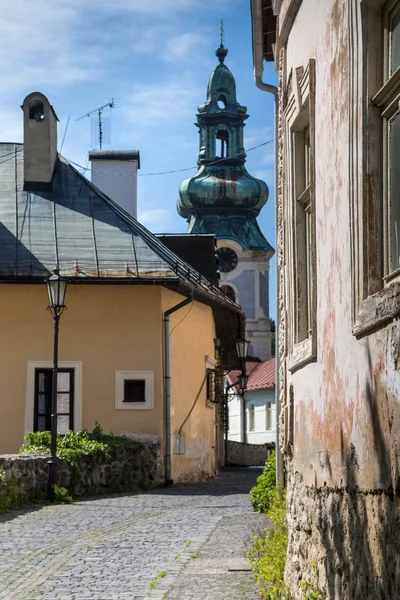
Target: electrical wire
[
  {"x": 183, "y": 318},
  {"x": 240, "y": 154},
  {"x": 193, "y": 405}
]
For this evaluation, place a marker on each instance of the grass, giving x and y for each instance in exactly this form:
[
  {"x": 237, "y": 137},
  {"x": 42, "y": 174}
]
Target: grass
[{"x": 157, "y": 579}]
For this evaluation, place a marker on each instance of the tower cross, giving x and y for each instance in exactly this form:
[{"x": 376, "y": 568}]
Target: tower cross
[{"x": 222, "y": 32}]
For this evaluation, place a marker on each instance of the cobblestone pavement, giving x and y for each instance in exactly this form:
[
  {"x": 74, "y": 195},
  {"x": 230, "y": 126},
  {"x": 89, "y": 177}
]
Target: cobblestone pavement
[{"x": 169, "y": 544}]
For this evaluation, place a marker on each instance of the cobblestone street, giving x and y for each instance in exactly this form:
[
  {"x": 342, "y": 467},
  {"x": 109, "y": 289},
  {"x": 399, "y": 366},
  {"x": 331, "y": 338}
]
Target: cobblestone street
[{"x": 181, "y": 543}]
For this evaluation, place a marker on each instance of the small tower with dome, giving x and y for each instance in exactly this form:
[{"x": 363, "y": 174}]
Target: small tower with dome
[{"x": 224, "y": 199}]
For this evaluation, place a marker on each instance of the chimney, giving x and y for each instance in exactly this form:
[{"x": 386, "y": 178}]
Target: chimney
[
  {"x": 40, "y": 141},
  {"x": 114, "y": 172}
]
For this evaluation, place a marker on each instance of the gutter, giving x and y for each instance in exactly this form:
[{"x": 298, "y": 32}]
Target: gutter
[
  {"x": 258, "y": 61},
  {"x": 167, "y": 387}
]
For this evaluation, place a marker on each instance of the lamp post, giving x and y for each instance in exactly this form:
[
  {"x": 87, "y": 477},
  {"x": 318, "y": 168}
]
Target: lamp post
[
  {"x": 242, "y": 347},
  {"x": 56, "y": 289}
]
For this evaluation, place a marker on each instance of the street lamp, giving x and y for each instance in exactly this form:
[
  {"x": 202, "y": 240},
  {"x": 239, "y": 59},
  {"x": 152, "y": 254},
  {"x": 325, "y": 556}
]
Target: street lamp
[
  {"x": 56, "y": 289},
  {"x": 242, "y": 347}
]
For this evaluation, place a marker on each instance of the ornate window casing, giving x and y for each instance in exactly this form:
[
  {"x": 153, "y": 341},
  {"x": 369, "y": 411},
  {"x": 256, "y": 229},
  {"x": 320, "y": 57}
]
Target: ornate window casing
[
  {"x": 134, "y": 390},
  {"x": 374, "y": 141},
  {"x": 299, "y": 208}
]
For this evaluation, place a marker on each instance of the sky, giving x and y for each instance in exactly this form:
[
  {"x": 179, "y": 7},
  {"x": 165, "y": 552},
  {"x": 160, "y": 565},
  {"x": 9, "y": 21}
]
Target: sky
[{"x": 154, "y": 57}]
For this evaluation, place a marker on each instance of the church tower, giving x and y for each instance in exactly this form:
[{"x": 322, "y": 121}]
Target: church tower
[{"x": 224, "y": 199}]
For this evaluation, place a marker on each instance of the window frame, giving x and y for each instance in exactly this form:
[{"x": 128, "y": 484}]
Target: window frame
[
  {"x": 268, "y": 416},
  {"x": 30, "y": 390},
  {"x": 71, "y": 394},
  {"x": 251, "y": 417},
  {"x": 375, "y": 292},
  {"x": 121, "y": 377},
  {"x": 300, "y": 222}
]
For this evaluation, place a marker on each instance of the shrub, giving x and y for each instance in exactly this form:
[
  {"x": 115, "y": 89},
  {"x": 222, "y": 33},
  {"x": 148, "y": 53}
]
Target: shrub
[
  {"x": 76, "y": 448},
  {"x": 264, "y": 491},
  {"x": 61, "y": 495}
]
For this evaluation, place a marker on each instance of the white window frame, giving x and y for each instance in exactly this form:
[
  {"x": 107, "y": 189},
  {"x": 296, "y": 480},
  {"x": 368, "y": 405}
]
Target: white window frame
[
  {"x": 30, "y": 390},
  {"x": 121, "y": 377},
  {"x": 251, "y": 415}
]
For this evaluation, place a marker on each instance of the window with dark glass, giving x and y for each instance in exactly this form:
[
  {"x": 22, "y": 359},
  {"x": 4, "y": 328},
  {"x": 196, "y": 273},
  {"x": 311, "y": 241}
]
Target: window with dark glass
[
  {"x": 134, "y": 390},
  {"x": 65, "y": 400}
]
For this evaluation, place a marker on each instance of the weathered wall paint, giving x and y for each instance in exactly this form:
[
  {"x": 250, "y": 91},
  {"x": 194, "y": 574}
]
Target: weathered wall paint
[{"x": 344, "y": 454}]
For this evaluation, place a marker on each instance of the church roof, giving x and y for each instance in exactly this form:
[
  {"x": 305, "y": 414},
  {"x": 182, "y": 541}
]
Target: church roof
[{"x": 77, "y": 228}]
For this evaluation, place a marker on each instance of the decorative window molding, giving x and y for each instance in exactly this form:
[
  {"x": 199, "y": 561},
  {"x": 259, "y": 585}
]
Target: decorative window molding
[
  {"x": 131, "y": 397},
  {"x": 30, "y": 390},
  {"x": 374, "y": 96},
  {"x": 299, "y": 122}
]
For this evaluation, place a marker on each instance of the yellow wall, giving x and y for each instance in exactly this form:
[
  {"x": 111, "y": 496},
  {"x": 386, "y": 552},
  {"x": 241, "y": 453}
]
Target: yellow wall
[
  {"x": 108, "y": 328},
  {"x": 192, "y": 339}
]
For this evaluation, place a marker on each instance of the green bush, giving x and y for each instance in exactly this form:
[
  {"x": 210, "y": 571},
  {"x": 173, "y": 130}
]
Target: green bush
[
  {"x": 61, "y": 495},
  {"x": 77, "y": 448},
  {"x": 263, "y": 493},
  {"x": 268, "y": 555}
]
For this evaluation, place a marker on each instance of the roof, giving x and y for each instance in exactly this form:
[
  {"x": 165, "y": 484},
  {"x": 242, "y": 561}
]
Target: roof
[
  {"x": 77, "y": 228},
  {"x": 261, "y": 375},
  {"x": 197, "y": 250}
]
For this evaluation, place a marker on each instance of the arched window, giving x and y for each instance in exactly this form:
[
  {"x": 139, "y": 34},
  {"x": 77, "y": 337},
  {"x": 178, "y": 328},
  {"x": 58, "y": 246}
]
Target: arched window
[
  {"x": 36, "y": 110},
  {"x": 251, "y": 417},
  {"x": 229, "y": 291},
  {"x": 221, "y": 102},
  {"x": 223, "y": 137}
]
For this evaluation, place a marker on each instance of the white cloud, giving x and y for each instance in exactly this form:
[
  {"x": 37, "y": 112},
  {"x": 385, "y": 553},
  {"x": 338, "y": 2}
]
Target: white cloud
[
  {"x": 151, "y": 104},
  {"x": 179, "y": 47}
]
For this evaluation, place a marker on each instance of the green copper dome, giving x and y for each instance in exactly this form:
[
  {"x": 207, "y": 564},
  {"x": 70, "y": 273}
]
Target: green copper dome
[{"x": 222, "y": 190}]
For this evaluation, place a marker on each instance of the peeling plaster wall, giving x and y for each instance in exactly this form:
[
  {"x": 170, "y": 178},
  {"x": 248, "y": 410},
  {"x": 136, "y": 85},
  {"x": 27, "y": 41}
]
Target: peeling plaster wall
[{"x": 343, "y": 454}]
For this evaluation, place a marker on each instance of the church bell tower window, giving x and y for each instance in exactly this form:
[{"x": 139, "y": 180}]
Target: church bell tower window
[{"x": 223, "y": 137}]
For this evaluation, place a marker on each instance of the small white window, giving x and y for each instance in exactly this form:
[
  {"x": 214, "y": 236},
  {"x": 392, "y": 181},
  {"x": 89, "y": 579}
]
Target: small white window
[
  {"x": 268, "y": 419},
  {"x": 134, "y": 390},
  {"x": 251, "y": 417}
]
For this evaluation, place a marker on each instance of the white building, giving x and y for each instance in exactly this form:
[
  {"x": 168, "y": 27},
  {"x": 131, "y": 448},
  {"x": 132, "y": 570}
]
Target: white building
[{"x": 257, "y": 425}]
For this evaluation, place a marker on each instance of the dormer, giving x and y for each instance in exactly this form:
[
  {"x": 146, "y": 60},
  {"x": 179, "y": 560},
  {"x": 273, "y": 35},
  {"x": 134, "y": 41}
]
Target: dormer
[{"x": 40, "y": 141}]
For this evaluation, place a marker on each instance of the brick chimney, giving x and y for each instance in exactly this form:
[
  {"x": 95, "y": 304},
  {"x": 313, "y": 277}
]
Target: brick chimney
[
  {"x": 114, "y": 172},
  {"x": 40, "y": 141}
]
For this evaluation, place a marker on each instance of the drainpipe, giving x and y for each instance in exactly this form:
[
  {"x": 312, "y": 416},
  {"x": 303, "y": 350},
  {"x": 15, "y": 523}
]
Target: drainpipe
[
  {"x": 167, "y": 388},
  {"x": 258, "y": 60}
]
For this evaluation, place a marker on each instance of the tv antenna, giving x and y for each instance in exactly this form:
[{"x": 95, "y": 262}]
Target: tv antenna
[{"x": 99, "y": 112}]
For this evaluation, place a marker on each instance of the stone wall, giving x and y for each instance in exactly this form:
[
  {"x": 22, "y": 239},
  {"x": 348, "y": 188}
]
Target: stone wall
[
  {"x": 133, "y": 468},
  {"x": 346, "y": 541},
  {"x": 248, "y": 455}
]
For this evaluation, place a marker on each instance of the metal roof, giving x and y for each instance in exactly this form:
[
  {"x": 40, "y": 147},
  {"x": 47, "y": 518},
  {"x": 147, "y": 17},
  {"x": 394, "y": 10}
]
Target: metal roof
[{"x": 78, "y": 229}]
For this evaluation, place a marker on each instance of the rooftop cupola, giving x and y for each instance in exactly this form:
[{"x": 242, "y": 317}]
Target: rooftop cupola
[
  {"x": 40, "y": 141},
  {"x": 222, "y": 191}
]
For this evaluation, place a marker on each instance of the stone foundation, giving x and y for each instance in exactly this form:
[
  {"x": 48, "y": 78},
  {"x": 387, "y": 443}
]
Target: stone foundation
[
  {"x": 347, "y": 539},
  {"x": 133, "y": 468},
  {"x": 248, "y": 455}
]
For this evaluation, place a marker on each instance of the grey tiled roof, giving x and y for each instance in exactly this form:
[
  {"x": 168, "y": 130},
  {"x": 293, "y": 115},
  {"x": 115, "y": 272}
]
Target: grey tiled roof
[{"x": 81, "y": 231}]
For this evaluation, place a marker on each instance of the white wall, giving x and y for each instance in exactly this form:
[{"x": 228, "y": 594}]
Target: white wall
[
  {"x": 118, "y": 180},
  {"x": 260, "y": 435}
]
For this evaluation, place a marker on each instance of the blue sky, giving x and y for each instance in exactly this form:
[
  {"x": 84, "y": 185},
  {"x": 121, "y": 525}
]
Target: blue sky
[{"x": 154, "y": 57}]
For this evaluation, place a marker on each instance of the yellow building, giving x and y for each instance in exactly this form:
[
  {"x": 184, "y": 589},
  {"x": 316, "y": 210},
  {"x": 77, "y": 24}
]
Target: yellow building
[{"x": 128, "y": 350}]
